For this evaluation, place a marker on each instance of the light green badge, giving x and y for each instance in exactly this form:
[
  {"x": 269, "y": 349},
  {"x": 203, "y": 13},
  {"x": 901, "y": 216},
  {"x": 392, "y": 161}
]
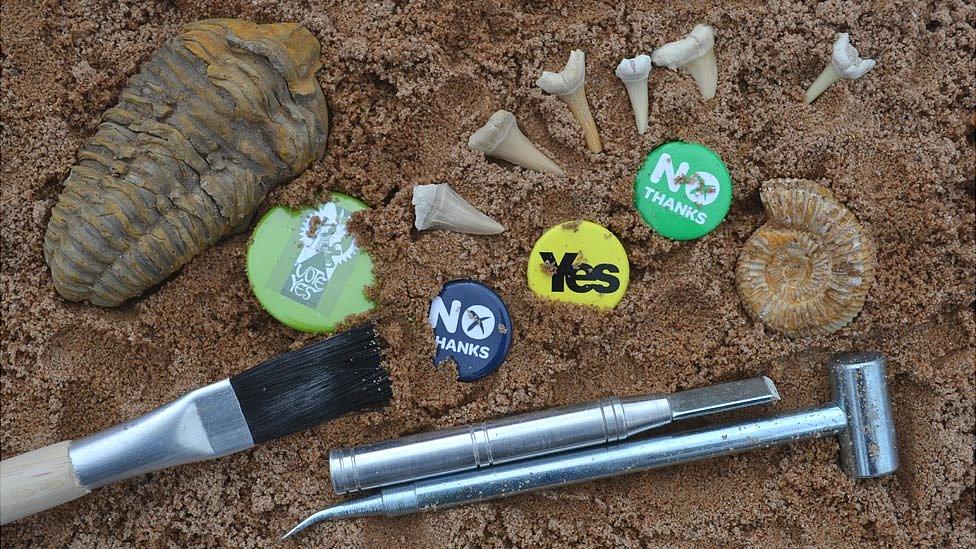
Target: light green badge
[
  {"x": 306, "y": 269},
  {"x": 683, "y": 190}
]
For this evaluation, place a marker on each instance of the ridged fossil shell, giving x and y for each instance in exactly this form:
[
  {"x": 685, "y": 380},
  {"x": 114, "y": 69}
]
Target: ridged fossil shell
[
  {"x": 808, "y": 270},
  {"x": 220, "y": 115}
]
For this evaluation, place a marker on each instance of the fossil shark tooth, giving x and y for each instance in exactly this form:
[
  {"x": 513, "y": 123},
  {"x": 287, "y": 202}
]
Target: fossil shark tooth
[
  {"x": 501, "y": 138},
  {"x": 633, "y": 73},
  {"x": 440, "y": 207},
  {"x": 844, "y": 63},
  {"x": 695, "y": 53},
  {"x": 570, "y": 86}
]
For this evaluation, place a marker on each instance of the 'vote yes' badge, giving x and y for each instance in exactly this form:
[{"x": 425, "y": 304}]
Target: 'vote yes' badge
[
  {"x": 305, "y": 267},
  {"x": 579, "y": 262}
]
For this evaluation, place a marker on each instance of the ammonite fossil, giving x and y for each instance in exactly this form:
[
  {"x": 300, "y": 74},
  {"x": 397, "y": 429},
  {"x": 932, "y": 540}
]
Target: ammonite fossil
[
  {"x": 217, "y": 117},
  {"x": 808, "y": 270}
]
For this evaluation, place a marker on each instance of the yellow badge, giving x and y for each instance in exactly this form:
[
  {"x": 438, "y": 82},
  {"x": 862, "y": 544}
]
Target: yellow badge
[{"x": 579, "y": 262}]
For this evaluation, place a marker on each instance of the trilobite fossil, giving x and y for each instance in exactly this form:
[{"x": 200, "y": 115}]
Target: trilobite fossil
[{"x": 218, "y": 116}]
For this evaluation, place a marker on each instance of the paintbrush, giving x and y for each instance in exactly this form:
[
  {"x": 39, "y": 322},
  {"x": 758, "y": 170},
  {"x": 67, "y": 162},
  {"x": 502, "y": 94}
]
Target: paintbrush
[{"x": 288, "y": 393}]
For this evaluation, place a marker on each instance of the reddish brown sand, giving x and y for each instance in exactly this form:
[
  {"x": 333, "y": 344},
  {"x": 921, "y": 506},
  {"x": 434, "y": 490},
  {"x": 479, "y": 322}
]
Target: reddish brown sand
[{"x": 407, "y": 84}]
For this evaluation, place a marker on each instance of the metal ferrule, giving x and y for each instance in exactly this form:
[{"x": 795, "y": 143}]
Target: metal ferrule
[{"x": 204, "y": 424}]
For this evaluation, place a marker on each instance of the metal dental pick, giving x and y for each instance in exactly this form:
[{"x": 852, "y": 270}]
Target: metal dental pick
[{"x": 484, "y": 446}]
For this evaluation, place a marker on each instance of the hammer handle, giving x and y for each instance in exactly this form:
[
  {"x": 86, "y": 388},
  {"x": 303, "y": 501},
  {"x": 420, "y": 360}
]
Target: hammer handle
[{"x": 36, "y": 481}]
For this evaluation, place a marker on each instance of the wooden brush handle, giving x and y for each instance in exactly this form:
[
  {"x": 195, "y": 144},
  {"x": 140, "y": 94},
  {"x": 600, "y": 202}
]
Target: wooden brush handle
[{"x": 38, "y": 480}]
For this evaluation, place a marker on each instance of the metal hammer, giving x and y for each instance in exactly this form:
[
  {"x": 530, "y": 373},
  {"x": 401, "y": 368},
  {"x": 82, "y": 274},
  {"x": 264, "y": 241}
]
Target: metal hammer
[{"x": 860, "y": 416}]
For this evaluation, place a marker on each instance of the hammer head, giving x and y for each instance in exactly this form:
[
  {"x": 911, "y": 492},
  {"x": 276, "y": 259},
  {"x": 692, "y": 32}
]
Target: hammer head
[{"x": 867, "y": 447}]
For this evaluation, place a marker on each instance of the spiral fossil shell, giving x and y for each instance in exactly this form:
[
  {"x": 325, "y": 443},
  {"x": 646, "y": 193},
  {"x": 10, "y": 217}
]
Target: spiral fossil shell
[
  {"x": 807, "y": 270},
  {"x": 218, "y": 116}
]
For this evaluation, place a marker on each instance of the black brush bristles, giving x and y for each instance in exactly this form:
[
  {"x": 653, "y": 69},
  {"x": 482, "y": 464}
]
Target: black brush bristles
[{"x": 316, "y": 383}]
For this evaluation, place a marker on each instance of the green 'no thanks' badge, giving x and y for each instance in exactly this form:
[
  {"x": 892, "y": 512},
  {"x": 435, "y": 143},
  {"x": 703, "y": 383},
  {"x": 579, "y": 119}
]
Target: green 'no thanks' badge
[{"x": 683, "y": 190}]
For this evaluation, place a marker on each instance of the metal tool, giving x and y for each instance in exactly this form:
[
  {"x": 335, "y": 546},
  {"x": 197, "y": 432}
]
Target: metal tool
[
  {"x": 860, "y": 416},
  {"x": 533, "y": 434}
]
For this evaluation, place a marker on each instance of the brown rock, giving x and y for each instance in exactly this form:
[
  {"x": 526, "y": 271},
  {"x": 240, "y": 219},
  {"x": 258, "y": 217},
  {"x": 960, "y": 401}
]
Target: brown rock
[{"x": 220, "y": 114}]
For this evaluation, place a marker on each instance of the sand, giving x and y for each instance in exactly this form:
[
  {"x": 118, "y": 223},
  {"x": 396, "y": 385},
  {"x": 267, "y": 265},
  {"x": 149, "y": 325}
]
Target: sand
[{"x": 407, "y": 84}]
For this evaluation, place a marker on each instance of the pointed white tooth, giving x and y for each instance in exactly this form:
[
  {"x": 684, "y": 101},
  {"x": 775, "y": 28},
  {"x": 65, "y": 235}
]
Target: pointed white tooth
[
  {"x": 826, "y": 79},
  {"x": 694, "y": 53},
  {"x": 705, "y": 72},
  {"x": 638, "y": 100},
  {"x": 844, "y": 63},
  {"x": 633, "y": 73},
  {"x": 501, "y": 138},
  {"x": 570, "y": 86},
  {"x": 440, "y": 207}
]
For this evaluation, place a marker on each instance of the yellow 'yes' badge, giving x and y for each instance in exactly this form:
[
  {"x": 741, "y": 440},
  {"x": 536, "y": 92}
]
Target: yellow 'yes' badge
[{"x": 579, "y": 262}]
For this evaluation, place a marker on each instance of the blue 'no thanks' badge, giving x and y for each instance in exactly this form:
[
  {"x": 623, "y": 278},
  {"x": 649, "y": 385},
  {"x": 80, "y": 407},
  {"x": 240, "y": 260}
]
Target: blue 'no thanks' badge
[{"x": 471, "y": 325}]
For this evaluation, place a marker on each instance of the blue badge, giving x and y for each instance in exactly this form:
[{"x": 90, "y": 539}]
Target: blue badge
[{"x": 472, "y": 326}]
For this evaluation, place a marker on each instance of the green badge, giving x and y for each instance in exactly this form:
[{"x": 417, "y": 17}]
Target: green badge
[
  {"x": 306, "y": 269},
  {"x": 683, "y": 190}
]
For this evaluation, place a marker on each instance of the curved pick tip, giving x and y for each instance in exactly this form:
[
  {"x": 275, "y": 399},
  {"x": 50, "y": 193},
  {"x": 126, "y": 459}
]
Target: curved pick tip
[{"x": 311, "y": 520}]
